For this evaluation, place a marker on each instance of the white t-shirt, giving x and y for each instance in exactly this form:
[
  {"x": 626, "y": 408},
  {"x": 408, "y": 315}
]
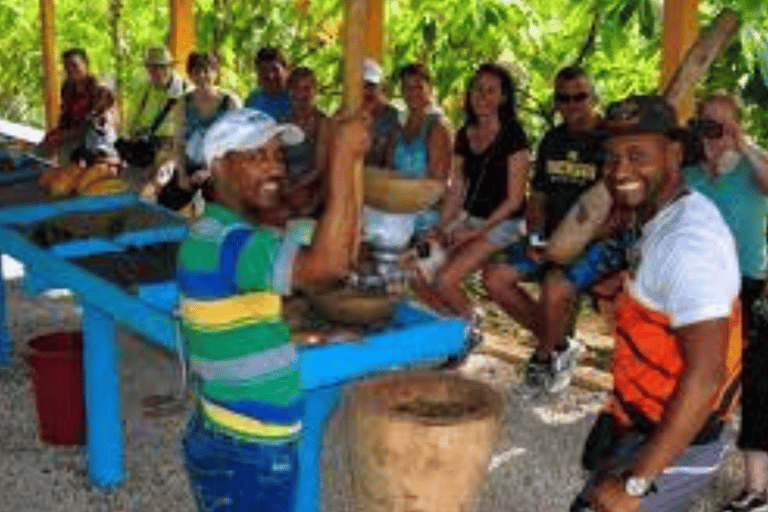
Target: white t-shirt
[{"x": 688, "y": 268}]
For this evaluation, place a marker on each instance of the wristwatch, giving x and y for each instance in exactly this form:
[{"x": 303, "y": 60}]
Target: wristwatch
[{"x": 637, "y": 486}]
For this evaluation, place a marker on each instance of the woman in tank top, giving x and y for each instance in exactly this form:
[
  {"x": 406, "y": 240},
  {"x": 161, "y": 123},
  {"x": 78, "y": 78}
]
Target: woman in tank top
[
  {"x": 306, "y": 162},
  {"x": 197, "y": 111},
  {"x": 484, "y": 207}
]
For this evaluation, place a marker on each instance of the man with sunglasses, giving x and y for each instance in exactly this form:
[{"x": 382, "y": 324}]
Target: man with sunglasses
[
  {"x": 569, "y": 160},
  {"x": 733, "y": 173}
]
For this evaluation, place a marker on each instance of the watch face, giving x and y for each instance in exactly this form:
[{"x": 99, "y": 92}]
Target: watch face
[{"x": 636, "y": 486}]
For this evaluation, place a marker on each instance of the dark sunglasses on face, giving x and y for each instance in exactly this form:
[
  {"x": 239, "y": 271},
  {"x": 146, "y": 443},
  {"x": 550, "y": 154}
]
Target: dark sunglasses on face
[{"x": 561, "y": 97}]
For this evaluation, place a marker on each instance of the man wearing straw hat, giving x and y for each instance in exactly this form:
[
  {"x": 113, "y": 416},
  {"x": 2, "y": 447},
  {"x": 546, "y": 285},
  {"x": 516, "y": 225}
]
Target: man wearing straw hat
[
  {"x": 151, "y": 119},
  {"x": 677, "y": 354},
  {"x": 241, "y": 446}
]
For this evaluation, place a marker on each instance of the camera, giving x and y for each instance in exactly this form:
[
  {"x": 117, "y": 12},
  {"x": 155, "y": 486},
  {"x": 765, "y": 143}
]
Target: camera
[{"x": 705, "y": 128}]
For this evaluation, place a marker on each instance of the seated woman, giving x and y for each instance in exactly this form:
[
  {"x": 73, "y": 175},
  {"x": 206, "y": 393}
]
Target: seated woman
[
  {"x": 88, "y": 121},
  {"x": 484, "y": 207},
  {"x": 196, "y": 112},
  {"x": 307, "y": 162},
  {"x": 422, "y": 147}
]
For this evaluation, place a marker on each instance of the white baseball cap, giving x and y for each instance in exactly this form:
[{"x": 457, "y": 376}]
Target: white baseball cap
[
  {"x": 245, "y": 129},
  {"x": 371, "y": 71}
]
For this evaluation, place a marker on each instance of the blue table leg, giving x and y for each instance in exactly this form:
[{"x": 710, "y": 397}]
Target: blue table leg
[
  {"x": 6, "y": 344},
  {"x": 102, "y": 398},
  {"x": 320, "y": 404}
]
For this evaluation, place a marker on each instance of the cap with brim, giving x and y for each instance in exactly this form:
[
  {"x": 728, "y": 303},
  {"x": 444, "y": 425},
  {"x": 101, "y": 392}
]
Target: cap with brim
[
  {"x": 157, "y": 56},
  {"x": 244, "y": 130},
  {"x": 640, "y": 114},
  {"x": 371, "y": 71}
]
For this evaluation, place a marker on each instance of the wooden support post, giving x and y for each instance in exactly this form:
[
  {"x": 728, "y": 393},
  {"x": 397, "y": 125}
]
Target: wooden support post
[
  {"x": 354, "y": 30},
  {"x": 681, "y": 28},
  {"x": 374, "y": 31},
  {"x": 182, "y": 31},
  {"x": 51, "y": 93}
]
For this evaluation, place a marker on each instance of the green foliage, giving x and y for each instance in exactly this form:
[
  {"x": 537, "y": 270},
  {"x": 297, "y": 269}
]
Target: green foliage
[{"x": 617, "y": 41}]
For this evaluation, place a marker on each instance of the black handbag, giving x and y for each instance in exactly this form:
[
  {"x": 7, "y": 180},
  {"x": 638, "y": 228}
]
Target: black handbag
[{"x": 142, "y": 151}]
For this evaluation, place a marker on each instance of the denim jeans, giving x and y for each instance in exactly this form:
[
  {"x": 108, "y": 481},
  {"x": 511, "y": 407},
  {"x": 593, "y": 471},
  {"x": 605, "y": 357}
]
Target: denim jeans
[{"x": 229, "y": 475}]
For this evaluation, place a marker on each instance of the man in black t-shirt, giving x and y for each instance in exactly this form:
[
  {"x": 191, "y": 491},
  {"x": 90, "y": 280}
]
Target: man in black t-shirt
[{"x": 569, "y": 162}]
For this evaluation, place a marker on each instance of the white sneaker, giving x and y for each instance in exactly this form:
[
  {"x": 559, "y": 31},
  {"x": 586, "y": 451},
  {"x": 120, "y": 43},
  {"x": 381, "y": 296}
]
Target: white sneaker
[
  {"x": 554, "y": 376},
  {"x": 564, "y": 363}
]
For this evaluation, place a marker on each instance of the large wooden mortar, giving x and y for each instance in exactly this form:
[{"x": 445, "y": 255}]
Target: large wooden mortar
[{"x": 421, "y": 441}]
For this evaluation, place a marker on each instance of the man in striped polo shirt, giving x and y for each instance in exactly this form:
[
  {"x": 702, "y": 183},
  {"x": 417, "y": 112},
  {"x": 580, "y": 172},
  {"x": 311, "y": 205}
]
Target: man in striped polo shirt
[{"x": 241, "y": 445}]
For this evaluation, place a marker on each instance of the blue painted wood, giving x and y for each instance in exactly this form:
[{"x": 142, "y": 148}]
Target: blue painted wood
[
  {"x": 60, "y": 273},
  {"x": 21, "y": 173},
  {"x": 80, "y": 248},
  {"x": 104, "y": 430},
  {"x": 417, "y": 345},
  {"x": 6, "y": 347},
  {"x": 39, "y": 211},
  {"x": 321, "y": 402}
]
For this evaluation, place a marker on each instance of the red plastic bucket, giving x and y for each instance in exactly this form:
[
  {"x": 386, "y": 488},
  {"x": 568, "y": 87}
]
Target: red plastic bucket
[{"x": 57, "y": 375}]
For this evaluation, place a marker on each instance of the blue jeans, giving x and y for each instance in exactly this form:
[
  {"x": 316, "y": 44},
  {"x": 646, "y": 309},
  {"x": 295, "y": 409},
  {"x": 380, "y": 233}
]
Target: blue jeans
[
  {"x": 228, "y": 475},
  {"x": 598, "y": 259}
]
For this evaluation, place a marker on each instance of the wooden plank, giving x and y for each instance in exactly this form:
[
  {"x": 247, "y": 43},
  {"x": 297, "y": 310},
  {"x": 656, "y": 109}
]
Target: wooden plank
[
  {"x": 51, "y": 97},
  {"x": 680, "y": 30},
  {"x": 700, "y": 56},
  {"x": 183, "y": 32},
  {"x": 374, "y": 32},
  {"x": 355, "y": 10}
]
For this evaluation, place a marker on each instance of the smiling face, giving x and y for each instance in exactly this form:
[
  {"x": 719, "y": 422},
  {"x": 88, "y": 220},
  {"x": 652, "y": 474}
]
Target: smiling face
[
  {"x": 203, "y": 77},
  {"x": 722, "y": 113},
  {"x": 302, "y": 91},
  {"x": 416, "y": 92},
  {"x": 158, "y": 74},
  {"x": 485, "y": 96},
  {"x": 253, "y": 179},
  {"x": 272, "y": 76},
  {"x": 642, "y": 169}
]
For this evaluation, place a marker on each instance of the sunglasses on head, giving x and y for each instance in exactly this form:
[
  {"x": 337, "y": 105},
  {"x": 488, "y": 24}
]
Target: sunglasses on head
[{"x": 562, "y": 97}]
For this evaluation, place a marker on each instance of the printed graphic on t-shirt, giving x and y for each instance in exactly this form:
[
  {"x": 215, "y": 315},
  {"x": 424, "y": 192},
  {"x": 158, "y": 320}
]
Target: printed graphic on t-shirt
[{"x": 571, "y": 170}]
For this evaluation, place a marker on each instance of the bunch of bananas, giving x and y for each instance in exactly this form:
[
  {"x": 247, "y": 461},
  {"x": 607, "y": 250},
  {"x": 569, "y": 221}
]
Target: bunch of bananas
[{"x": 99, "y": 178}]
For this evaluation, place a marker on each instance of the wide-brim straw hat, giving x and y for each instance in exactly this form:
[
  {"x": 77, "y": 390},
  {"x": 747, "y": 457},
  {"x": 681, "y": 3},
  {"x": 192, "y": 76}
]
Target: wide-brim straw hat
[{"x": 157, "y": 56}]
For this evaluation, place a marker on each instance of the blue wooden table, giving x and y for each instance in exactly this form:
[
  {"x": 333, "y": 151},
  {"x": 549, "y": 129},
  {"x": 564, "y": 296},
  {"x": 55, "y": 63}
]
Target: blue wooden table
[{"x": 415, "y": 337}]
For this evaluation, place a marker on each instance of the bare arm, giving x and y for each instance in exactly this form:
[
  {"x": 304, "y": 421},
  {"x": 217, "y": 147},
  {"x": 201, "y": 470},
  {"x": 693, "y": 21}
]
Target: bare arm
[
  {"x": 335, "y": 242},
  {"x": 758, "y": 157},
  {"x": 451, "y": 205},
  {"x": 518, "y": 165},
  {"x": 439, "y": 151},
  {"x": 705, "y": 346},
  {"x": 177, "y": 149}
]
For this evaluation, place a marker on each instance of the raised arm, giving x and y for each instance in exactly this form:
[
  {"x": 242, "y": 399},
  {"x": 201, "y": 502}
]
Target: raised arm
[{"x": 330, "y": 255}]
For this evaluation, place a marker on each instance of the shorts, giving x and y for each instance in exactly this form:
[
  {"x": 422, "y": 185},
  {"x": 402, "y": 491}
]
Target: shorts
[
  {"x": 598, "y": 259},
  {"x": 506, "y": 232},
  {"x": 228, "y": 475},
  {"x": 676, "y": 487},
  {"x": 754, "y": 378}
]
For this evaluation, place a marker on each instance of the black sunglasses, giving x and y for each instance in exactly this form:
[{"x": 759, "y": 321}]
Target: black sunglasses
[{"x": 562, "y": 97}]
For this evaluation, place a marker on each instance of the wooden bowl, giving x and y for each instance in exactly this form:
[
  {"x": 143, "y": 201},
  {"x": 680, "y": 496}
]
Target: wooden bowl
[
  {"x": 387, "y": 191},
  {"x": 350, "y": 306}
]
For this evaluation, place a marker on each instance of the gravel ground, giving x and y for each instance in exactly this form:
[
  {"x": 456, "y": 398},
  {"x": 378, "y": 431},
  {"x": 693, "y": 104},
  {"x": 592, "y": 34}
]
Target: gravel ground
[{"x": 534, "y": 468}]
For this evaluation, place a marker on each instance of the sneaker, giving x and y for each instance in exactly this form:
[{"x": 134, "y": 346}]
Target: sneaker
[
  {"x": 564, "y": 363},
  {"x": 552, "y": 376},
  {"x": 748, "y": 501}
]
